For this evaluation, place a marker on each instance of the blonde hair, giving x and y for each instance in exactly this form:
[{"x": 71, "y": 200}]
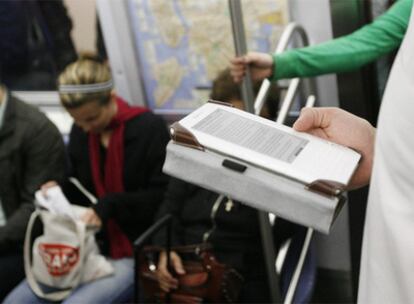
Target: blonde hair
[{"x": 85, "y": 71}]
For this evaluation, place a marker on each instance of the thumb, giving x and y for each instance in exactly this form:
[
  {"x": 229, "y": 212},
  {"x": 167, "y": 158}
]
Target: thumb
[
  {"x": 46, "y": 186},
  {"x": 177, "y": 263},
  {"x": 248, "y": 58},
  {"x": 310, "y": 118},
  {"x": 252, "y": 57}
]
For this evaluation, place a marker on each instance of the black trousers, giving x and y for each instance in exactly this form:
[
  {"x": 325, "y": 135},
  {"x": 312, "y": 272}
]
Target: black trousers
[{"x": 11, "y": 273}]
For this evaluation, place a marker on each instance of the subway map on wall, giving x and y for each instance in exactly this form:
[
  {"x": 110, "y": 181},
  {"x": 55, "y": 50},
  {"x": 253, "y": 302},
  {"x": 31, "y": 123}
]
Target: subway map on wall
[{"x": 183, "y": 44}]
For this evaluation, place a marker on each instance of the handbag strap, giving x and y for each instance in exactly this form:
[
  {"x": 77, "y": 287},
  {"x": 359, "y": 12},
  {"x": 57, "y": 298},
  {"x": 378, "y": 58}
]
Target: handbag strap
[
  {"x": 213, "y": 213},
  {"x": 193, "y": 248},
  {"x": 31, "y": 280}
]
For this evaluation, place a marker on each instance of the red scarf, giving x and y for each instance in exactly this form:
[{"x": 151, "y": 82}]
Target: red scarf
[{"x": 113, "y": 181}]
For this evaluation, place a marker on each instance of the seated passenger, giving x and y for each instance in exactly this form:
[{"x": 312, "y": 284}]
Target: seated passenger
[
  {"x": 116, "y": 152},
  {"x": 31, "y": 153},
  {"x": 235, "y": 238}
]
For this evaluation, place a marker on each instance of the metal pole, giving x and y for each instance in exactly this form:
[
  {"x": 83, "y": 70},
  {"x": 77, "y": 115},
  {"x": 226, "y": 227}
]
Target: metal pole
[
  {"x": 270, "y": 257},
  {"x": 290, "y": 294},
  {"x": 287, "y": 35},
  {"x": 240, "y": 46},
  {"x": 248, "y": 99}
]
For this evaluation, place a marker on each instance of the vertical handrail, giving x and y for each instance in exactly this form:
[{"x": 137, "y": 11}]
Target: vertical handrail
[
  {"x": 286, "y": 37},
  {"x": 240, "y": 47},
  {"x": 248, "y": 99},
  {"x": 290, "y": 294},
  {"x": 265, "y": 227}
]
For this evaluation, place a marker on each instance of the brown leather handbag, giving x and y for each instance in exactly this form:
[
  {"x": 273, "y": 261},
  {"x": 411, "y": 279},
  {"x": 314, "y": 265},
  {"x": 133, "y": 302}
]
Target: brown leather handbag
[{"x": 205, "y": 280}]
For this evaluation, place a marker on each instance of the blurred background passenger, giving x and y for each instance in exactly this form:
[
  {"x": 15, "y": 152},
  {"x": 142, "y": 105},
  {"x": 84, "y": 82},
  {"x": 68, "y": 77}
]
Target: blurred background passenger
[
  {"x": 35, "y": 43},
  {"x": 231, "y": 227},
  {"x": 31, "y": 153},
  {"x": 116, "y": 152}
]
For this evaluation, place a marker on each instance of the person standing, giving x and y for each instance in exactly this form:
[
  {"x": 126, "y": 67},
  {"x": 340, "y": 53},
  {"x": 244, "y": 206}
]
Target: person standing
[
  {"x": 387, "y": 163},
  {"x": 342, "y": 54}
]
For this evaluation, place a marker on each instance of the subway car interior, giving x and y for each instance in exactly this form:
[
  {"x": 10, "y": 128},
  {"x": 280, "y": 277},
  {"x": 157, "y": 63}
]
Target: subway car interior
[{"x": 161, "y": 221}]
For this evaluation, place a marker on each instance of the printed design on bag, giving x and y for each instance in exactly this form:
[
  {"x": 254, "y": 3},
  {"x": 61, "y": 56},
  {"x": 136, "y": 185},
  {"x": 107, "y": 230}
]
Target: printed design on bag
[{"x": 59, "y": 258}]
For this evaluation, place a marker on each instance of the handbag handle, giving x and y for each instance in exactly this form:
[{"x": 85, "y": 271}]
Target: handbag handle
[
  {"x": 195, "y": 248},
  {"x": 56, "y": 295},
  {"x": 143, "y": 239}
]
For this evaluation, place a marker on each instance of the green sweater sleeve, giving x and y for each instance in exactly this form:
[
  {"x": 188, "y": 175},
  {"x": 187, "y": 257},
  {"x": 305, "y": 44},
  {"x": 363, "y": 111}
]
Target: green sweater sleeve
[{"x": 349, "y": 52}]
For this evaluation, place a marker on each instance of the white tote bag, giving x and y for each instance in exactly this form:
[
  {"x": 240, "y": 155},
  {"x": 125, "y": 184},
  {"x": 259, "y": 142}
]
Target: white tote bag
[{"x": 64, "y": 256}]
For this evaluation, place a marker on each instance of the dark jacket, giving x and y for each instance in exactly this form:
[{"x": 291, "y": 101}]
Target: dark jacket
[
  {"x": 236, "y": 237},
  {"x": 35, "y": 43},
  {"x": 145, "y": 139},
  {"x": 31, "y": 153},
  {"x": 233, "y": 232},
  {"x": 13, "y": 36},
  {"x": 57, "y": 28}
]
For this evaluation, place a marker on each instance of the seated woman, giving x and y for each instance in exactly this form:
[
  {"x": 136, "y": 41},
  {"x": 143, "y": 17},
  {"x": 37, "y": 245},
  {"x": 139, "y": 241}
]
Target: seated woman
[
  {"x": 231, "y": 227},
  {"x": 116, "y": 152}
]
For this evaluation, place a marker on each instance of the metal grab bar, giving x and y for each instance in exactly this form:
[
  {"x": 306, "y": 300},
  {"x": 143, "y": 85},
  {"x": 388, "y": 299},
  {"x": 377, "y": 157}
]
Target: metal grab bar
[
  {"x": 288, "y": 101},
  {"x": 286, "y": 37},
  {"x": 247, "y": 94},
  {"x": 291, "y": 29},
  {"x": 290, "y": 294},
  {"x": 292, "y": 90},
  {"x": 265, "y": 228},
  {"x": 240, "y": 47}
]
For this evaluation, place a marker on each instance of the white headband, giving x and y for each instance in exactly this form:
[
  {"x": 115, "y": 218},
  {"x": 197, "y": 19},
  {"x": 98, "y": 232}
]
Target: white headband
[{"x": 86, "y": 88}]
